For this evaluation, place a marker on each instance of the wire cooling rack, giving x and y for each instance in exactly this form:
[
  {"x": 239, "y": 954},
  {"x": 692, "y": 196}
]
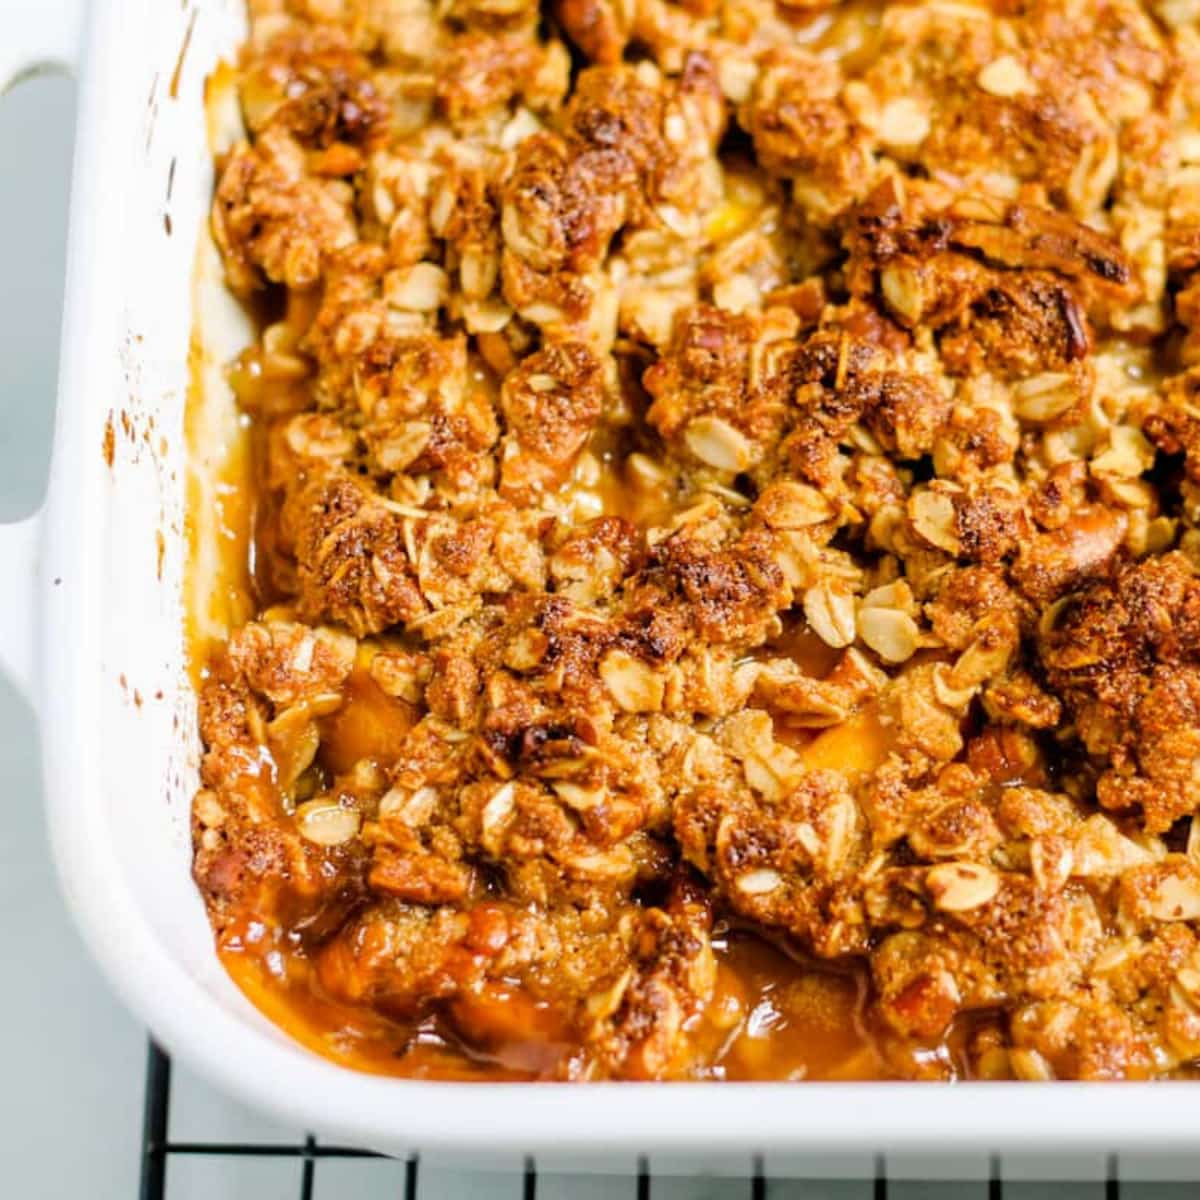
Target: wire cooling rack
[
  {"x": 158, "y": 1148},
  {"x": 405, "y": 1179}
]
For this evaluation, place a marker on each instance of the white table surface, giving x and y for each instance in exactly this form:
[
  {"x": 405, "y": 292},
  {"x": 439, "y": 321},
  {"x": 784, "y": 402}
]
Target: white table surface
[{"x": 72, "y": 1076}]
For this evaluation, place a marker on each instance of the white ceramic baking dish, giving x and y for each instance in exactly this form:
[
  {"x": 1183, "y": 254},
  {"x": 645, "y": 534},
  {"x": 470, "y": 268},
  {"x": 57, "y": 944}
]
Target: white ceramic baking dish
[{"x": 91, "y": 624}]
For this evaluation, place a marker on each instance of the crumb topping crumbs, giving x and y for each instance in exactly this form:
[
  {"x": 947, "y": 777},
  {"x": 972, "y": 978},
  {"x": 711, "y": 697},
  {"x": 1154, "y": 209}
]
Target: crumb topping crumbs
[{"x": 722, "y": 465}]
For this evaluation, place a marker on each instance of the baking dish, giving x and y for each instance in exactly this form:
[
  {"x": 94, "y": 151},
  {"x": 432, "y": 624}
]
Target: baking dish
[{"x": 95, "y": 631}]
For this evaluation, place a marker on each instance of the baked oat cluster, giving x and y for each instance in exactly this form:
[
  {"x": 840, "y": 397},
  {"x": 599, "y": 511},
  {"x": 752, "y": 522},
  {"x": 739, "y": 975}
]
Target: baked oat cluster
[{"x": 724, "y": 461}]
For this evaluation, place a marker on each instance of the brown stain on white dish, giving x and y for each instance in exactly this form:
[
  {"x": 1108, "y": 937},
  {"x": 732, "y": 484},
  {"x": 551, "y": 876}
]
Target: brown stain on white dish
[
  {"x": 218, "y": 521},
  {"x": 218, "y": 509},
  {"x": 222, "y": 110},
  {"x": 168, "y": 223},
  {"x": 151, "y": 111},
  {"x": 173, "y": 91}
]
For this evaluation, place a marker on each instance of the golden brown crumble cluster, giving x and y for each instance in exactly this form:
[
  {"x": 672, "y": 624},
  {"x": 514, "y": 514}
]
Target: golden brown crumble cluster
[{"x": 722, "y": 461}]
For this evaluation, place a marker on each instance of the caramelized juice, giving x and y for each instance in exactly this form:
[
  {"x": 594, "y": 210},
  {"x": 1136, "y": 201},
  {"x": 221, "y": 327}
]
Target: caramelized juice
[{"x": 773, "y": 1017}]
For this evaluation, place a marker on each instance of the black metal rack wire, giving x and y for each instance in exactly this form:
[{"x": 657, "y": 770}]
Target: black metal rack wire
[{"x": 158, "y": 1149}]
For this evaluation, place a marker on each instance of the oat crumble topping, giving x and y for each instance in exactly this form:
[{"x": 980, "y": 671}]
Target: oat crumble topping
[{"x": 723, "y": 465}]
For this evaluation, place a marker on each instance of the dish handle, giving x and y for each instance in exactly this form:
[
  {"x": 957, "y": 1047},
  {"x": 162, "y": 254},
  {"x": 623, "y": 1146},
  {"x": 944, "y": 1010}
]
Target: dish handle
[
  {"x": 35, "y": 36},
  {"x": 38, "y": 36}
]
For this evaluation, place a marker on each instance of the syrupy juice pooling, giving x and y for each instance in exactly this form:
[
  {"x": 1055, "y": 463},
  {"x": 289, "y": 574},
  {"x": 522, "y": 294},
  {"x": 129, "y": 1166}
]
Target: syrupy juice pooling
[
  {"x": 771, "y": 1019},
  {"x": 773, "y": 1016}
]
